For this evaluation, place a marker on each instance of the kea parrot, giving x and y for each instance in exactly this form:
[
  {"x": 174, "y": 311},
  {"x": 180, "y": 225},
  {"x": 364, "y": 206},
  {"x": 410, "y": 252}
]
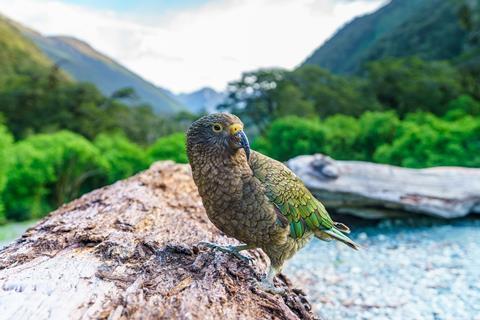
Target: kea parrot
[{"x": 253, "y": 198}]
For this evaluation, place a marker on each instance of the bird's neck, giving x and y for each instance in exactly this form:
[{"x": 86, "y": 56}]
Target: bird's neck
[
  {"x": 227, "y": 162},
  {"x": 212, "y": 171}
]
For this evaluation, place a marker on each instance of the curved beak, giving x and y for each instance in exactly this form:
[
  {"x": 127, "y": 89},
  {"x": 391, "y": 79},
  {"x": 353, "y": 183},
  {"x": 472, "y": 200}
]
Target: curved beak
[
  {"x": 236, "y": 130},
  {"x": 244, "y": 143}
]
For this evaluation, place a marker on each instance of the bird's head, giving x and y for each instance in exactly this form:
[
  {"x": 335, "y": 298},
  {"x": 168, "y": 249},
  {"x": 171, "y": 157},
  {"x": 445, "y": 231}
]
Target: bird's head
[{"x": 218, "y": 134}]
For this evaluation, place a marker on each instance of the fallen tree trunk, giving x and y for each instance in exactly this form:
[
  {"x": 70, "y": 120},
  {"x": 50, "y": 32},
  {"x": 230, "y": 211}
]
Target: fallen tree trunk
[
  {"x": 373, "y": 190},
  {"x": 129, "y": 251}
]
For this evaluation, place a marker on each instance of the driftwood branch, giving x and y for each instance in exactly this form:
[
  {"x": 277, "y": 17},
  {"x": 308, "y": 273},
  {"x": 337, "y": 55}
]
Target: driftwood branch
[
  {"x": 375, "y": 191},
  {"x": 129, "y": 251}
]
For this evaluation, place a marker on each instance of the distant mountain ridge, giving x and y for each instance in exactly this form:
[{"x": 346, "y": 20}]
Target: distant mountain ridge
[
  {"x": 84, "y": 63},
  {"x": 429, "y": 29},
  {"x": 203, "y": 100}
]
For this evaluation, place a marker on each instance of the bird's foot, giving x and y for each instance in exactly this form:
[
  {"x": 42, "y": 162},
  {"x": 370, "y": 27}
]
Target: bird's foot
[
  {"x": 268, "y": 286},
  {"x": 233, "y": 250}
]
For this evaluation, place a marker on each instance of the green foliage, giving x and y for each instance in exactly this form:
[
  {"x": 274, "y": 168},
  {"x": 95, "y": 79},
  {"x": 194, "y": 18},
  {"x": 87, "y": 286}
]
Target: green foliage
[
  {"x": 421, "y": 140},
  {"x": 5, "y": 159},
  {"x": 48, "y": 170},
  {"x": 376, "y": 129},
  {"x": 349, "y": 138},
  {"x": 461, "y": 106},
  {"x": 424, "y": 140},
  {"x": 410, "y": 84},
  {"x": 341, "y": 134},
  {"x": 124, "y": 158},
  {"x": 330, "y": 94},
  {"x": 292, "y": 136},
  {"x": 171, "y": 147},
  {"x": 289, "y": 100}
]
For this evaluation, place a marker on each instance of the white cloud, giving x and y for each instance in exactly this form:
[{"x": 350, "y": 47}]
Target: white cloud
[{"x": 204, "y": 46}]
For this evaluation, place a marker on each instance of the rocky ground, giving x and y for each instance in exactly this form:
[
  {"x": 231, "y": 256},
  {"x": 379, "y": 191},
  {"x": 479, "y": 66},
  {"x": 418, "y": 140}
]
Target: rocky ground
[{"x": 424, "y": 269}]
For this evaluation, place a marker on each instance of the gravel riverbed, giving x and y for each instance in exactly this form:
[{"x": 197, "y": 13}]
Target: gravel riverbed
[{"x": 413, "y": 269}]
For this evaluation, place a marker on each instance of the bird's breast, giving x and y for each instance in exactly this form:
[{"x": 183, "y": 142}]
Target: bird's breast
[{"x": 235, "y": 202}]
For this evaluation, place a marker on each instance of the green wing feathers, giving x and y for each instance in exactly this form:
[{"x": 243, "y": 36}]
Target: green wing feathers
[
  {"x": 302, "y": 212},
  {"x": 295, "y": 202}
]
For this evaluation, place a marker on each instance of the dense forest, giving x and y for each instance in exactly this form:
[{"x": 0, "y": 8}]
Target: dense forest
[{"x": 60, "y": 138}]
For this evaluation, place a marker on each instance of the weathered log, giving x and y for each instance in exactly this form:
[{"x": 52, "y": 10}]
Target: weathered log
[
  {"x": 372, "y": 190},
  {"x": 129, "y": 251}
]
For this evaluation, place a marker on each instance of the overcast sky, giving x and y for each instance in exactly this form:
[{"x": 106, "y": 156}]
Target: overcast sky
[{"x": 186, "y": 45}]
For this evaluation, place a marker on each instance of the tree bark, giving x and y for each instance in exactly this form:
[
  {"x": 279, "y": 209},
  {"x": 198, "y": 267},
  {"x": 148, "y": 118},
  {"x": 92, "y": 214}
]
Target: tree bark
[
  {"x": 372, "y": 190},
  {"x": 129, "y": 251}
]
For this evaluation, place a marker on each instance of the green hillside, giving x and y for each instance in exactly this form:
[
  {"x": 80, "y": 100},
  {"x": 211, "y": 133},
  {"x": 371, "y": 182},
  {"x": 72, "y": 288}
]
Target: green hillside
[
  {"x": 84, "y": 63},
  {"x": 431, "y": 30},
  {"x": 18, "y": 54}
]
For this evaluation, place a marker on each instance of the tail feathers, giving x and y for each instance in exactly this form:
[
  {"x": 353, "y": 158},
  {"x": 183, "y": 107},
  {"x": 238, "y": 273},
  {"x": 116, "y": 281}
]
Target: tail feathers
[
  {"x": 340, "y": 226},
  {"x": 323, "y": 236},
  {"x": 337, "y": 235}
]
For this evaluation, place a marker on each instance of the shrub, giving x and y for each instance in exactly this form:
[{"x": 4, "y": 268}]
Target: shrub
[
  {"x": 462, "y": 106},
  {"x": 293, "y": 136},
  {"x": 420, "y": 140},
  {"x": 424, "y": 140},
  {"x": 341, "y": 133},
  {"x": 171, "y": 147},
  {"x": 50, "y": 169},
  {"x": 124, "y": 158},
  {"x": 376, "y": 129}
]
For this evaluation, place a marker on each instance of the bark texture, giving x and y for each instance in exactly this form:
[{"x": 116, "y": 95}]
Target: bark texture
[
  {"x": 129, "y": 251},
  {"x": 372, "y": 190}
]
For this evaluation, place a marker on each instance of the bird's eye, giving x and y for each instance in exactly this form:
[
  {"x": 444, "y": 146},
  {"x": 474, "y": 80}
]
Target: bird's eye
[{"x": 217, "y": 127}]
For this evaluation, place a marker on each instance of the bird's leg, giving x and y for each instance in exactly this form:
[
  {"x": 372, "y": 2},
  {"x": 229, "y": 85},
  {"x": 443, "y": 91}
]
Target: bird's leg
[
  {"x": 233, "y": 250},
  {"x": 267, "y": 284}
]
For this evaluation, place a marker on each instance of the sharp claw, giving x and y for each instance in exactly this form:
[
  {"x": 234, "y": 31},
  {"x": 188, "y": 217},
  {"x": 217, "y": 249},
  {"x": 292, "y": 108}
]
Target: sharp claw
[{"x": 227, "y": 249}]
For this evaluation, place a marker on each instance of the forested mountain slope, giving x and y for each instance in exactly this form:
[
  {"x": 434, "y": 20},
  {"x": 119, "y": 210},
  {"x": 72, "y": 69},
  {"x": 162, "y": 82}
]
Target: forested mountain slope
[
  {"x": 18, "y": 54},
  {"x": 431, "y": 30}
]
